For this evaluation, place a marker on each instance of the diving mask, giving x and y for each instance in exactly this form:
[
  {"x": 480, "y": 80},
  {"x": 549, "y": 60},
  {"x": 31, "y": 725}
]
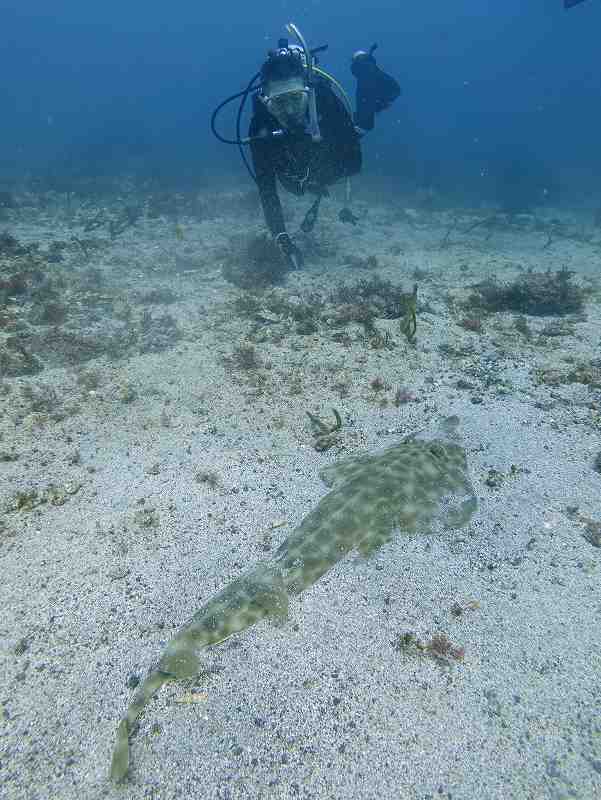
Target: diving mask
[
  {"x": 288, "y": 101},
  {"x": 290, "y": 108}
]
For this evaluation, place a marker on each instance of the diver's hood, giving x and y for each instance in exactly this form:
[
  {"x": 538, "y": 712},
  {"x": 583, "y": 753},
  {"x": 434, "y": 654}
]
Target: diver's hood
[{"x": 283, "y": 63}]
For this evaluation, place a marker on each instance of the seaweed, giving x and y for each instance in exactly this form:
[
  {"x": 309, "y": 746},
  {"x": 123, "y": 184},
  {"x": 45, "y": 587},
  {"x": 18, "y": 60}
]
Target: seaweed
[
  {"x": 147, "y": 517},
  {"x": 536, "y": 293},
  {"x": 208, "y": 477},
  {"x": 326, "y": 436},
  {"x": 159, "y": 296},
  {"x": 17, "y": 360},
  {"x": 378, "y": 384},
  {"x": 361, "y": 303},
  {"x": 10, "y": 246},
  {"x": 88, "y": 380},
  {"x": 48, "y": 314},
  {"x": 243, "y": 356},
  {"x": 408, "y": 324},
  {"x": 404, "y": 395},
  {"x": 375, "y": 339},
  {"x": 374, "y": 297},
  {"x": 521, "y": 325},
  {"x": 588, "y": 374},
  {"x": 472, "y": 324},
  {"x": 42, "y": 399},
  {"x": 361, "y": 262},
  {"x": 52, "y": 495},
  {"x": 556, "y": 329},
  {"x": 158, "y": 333},
  {"x": 249, "y": 304},
  {"x": 126, "y": 219},
  {"x": 95, "y": 222},
  {"x": 254, "y": 263},
  {"x": 273, "y": 307},
  {"x": 592, "y": 533},
  {"x": 60, "y": 347},
  {"x": 13, "y": 285},
  {"x": 439, "y": 647},
  {"x": 382, "y": 294}
]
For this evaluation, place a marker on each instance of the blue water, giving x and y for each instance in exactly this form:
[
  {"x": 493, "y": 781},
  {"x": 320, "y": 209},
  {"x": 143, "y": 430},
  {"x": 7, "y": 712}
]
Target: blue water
[{"x": 100, "y": 88}]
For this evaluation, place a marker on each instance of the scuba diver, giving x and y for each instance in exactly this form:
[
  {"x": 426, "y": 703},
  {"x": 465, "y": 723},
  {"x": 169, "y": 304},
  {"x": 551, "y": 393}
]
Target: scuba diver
[{"x": 303, "y": 132}]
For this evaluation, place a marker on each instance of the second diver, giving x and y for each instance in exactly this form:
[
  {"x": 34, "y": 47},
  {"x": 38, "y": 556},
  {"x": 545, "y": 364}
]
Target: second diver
[{"x": 303, "y": 133}]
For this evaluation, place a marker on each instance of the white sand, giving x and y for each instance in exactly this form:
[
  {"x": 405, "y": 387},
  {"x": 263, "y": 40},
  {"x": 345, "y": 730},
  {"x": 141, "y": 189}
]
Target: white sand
[{"x": 326, "y": 706}]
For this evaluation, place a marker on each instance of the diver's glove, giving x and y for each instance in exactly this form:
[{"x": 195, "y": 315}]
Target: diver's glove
[
  {"x": 290, "y": 251},
  {"x": 375, "y": 89}
]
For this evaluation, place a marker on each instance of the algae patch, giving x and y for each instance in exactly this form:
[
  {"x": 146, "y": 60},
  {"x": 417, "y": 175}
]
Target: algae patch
[{"x": 51, "y": 495}]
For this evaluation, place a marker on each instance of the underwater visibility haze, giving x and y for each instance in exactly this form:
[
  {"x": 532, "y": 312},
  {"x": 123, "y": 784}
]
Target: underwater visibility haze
[{"x": 249, "y": 250}]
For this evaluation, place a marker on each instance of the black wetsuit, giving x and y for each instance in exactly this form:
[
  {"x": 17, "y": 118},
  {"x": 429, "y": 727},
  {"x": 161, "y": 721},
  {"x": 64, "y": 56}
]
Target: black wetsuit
[{"x": 300, "y": 164}]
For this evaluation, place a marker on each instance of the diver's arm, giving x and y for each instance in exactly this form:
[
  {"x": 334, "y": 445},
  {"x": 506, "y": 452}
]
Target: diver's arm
[
  {"x": 266, "y": 183},
  {"x": 270, "y": 200}
]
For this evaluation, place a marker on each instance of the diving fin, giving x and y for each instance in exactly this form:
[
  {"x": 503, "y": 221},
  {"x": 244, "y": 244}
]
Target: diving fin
[{"x": 376, "y": 90}]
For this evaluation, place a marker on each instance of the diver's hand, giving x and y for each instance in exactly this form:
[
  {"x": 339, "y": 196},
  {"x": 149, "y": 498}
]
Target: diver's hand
[{"x": 290, "y": 251}]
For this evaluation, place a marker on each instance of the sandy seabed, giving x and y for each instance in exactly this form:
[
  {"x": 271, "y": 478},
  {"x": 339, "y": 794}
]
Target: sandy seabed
[{"x": 138, "y": 480}]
